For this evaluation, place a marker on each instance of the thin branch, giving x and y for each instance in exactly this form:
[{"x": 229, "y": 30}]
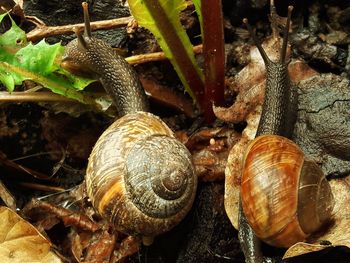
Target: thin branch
[
  {"x": 44, "y": 31},
  {"x": 9, "y": 164},
  {"x": 21, "y": 96},
  {"x": 42, "y": 187},
  {"x": 156, "y": 56}
]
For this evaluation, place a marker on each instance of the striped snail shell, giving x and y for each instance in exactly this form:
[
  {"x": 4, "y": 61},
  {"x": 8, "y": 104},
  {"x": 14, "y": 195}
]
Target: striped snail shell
[
  {"x": 285, "y": 196},
  {"x": 140, "y": 177}
]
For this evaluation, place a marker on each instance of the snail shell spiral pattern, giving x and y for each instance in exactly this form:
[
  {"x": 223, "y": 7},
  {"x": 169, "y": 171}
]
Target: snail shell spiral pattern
[{"x": 140, "y": 177}]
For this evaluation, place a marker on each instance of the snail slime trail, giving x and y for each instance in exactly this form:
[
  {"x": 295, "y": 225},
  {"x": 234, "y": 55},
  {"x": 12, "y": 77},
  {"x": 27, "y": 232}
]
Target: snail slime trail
[
  {"x": 139, "y": 176},
  {"x": 284, "y": 195}
]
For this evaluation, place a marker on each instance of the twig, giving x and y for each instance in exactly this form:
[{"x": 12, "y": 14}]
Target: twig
[
  {"x": 156, "y": 56},
  {"x": 20, "y": 168},
  {"x": 41, "y": 187},
  {"x": 21, "y": 96},
  {"x": 43, "y": 31},
  {"x": 69, "y": 218}
]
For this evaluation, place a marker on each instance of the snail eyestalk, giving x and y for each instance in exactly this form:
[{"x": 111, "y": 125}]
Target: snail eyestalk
[
  {"x": 273, "y": 20},
  {"x": 87, "y": 30},
  {"x": 256, "y": 41},
  {"x": 285, "y": 35},
  {"x": 81, "y": 41}
]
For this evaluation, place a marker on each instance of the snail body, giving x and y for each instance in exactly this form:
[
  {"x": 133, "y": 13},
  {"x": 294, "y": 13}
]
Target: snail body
[
  {"x": 139, "y": 177},
  {"x": 89, "y": 55},
  {"x": 284, "y": 196}
]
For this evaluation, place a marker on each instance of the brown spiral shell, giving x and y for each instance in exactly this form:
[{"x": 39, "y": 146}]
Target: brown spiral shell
[
  {"x": 285, "y": 197},
  {"x": 140, "y": 177}
]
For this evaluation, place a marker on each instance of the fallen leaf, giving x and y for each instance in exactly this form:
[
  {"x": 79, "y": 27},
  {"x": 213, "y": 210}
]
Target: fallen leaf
[
  {"x": 250, "y": 82},
  {"x": 234, "y": 167},
  {"x": 7, "y": 196},
  {"x": 21, "y": 242}
]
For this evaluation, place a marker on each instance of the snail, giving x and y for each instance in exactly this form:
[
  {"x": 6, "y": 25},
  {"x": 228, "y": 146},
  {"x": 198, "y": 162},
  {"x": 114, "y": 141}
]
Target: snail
[
  {"x": 284, "y": 196},
  {"x": 139, "y": 176}
]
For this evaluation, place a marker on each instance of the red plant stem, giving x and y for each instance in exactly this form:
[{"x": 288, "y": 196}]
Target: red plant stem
[
  {"x": 190, "y": 73},
  {"x": 214, "y": 55}
]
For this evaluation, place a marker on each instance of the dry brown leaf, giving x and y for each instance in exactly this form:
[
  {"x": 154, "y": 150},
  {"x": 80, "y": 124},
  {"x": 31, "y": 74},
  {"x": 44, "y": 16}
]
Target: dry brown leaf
[
  {"x": 234, "y": 167},
  {"x": 21, "y": 242},
  {"x": 7, "y": 197},
  {"x": 250, "y": 81}
]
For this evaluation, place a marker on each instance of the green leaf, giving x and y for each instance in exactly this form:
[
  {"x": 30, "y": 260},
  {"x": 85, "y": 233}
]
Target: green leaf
[
  {"x": 21, "y": 60},
  {"x": 161, "y": 17},
  {"x": 7, "y": 80},
  {"x": 56, "y": 83},
  {"x": 38, "y": 58},
  {"x": 14, "y": 38}
]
